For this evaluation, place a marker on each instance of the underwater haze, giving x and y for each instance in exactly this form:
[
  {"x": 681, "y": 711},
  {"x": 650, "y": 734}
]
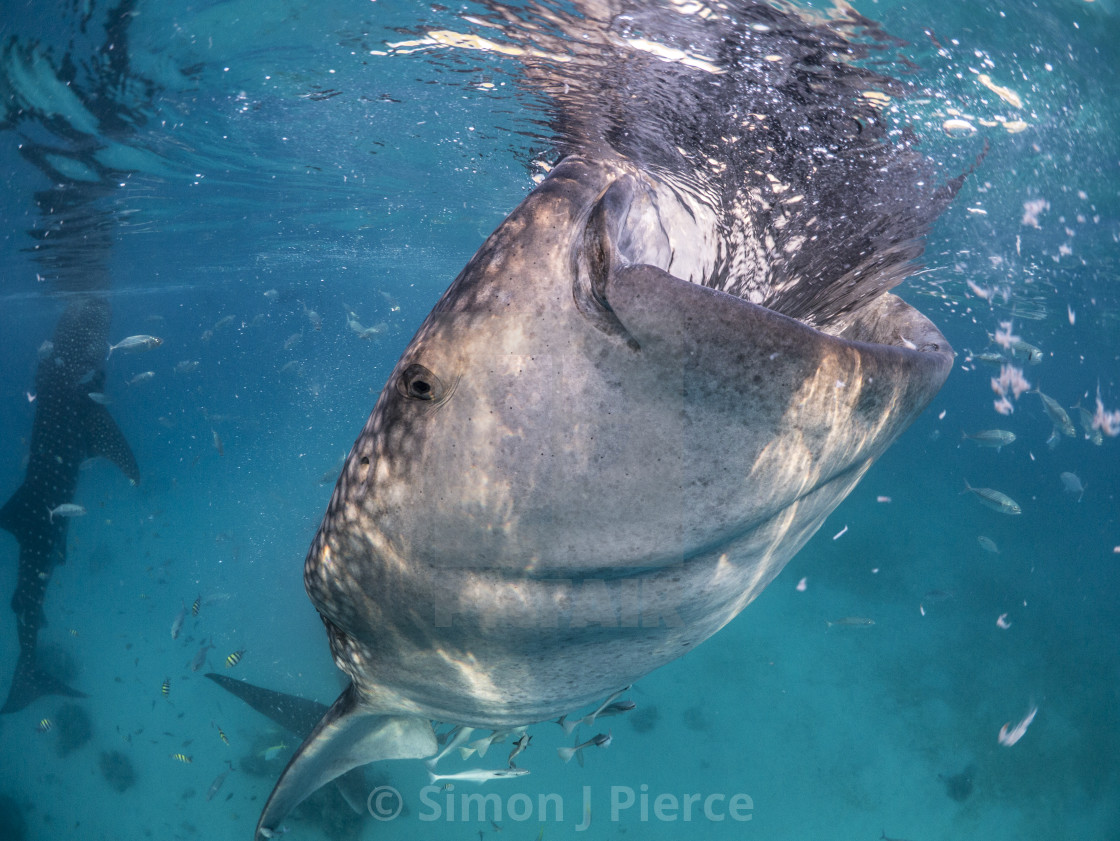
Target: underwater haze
[{"x": 269, "y": 198}]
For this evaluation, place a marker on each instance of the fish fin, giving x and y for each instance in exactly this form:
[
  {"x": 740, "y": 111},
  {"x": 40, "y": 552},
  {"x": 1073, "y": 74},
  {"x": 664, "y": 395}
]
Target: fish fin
[
  {"x": 298, "y": 716},
  {"x": 106, "y": 440},
  {"x": 354, "y": 789},
  {"x": 673, "y": 319},
  {"x": 31, "y": 682},
  {"x": 348, "y": 736}
]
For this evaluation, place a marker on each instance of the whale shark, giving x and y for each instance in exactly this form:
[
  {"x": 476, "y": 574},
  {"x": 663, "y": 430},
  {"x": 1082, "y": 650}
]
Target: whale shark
[
  {"x": 643, "y": 394},
  {"x": 69, "y": 427}
]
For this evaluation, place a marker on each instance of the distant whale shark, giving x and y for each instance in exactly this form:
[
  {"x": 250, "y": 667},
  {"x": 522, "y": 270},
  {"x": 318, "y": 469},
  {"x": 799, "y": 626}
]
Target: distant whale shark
[
  {"x": 69, "y": 427},
  {"x": 643, "y": 394}
]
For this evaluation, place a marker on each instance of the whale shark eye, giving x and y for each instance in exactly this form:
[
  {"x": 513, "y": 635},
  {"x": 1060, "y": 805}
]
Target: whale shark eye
[{"x": 419, "y": 383}]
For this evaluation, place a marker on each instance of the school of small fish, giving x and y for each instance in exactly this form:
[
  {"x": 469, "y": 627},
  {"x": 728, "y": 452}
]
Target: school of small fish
[{"x": 1009, "y": 352}]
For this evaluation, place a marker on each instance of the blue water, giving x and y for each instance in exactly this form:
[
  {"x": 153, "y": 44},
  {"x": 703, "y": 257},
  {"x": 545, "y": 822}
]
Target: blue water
[{"x": 281, "y": 148}]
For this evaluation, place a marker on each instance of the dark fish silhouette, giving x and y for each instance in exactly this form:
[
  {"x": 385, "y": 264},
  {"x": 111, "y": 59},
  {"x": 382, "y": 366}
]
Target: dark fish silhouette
[{"x": 68, "y": 428}]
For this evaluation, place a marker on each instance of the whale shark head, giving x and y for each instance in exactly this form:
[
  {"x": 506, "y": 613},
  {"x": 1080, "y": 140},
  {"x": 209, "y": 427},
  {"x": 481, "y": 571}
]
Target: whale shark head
[
  {"x": 580, "y": 468},
  {"x": 583, "y": 466},
  {"x": 626, "y": 414}
]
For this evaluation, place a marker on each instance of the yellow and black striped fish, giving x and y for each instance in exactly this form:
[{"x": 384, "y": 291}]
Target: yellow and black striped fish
[
  {"x": 195, "y": 607},
  {"x": 222, "y": 735},
  {"x": 182, "y": 757},
  {"x": 235, "y": 658},
  {"x": 165, "y": 689},
  {"x": 45, "y": 725}
]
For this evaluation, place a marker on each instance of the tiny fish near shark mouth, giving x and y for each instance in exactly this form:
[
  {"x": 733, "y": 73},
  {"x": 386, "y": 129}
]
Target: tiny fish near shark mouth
[
  {"x": 643, "y": 394},
  {"x": 68, "y": 428}
]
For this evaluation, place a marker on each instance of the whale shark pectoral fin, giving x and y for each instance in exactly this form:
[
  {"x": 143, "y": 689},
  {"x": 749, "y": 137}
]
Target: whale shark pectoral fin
[
  {"x": 348, "y": 736},
  {"x": 354, "y": 789},
  {"x": 107, "y": 440}
]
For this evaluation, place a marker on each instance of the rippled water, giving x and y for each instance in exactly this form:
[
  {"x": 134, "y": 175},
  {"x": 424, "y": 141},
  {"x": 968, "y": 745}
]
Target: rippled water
[{"x": 307, "y": 167}]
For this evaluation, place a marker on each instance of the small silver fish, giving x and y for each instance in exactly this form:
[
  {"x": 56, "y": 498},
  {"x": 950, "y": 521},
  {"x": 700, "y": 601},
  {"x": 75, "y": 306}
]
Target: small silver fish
[
  {"x": 177, "y": 625},
  {"x": 1009, "y": 735},
  {"x": 935, "y": 596},
  {"x": 66, "y": 509},
  {"x": 618, "y": 708},
  {"x": 142, "y": 377},
  {"x": 519, "y": 748},
  {"x": 998, "y": 438},
  {"x": 313, "y": 318},
  {"x": 457, "y": 738},
  {"x": 186, "y": 366},
  {"x": 1072, "y": 484},
  {"x": 99, "y": 398},
  {"x": 990, "y": 357},
  {"x": 589, "y": 719},
  {"x": 1091, "y": 433},
  {"x": 995, "y": 500},
  {"x": 1026, "y": 351},
  {"x": 851, "y": 622},
  {"x": 1057, "y": 415},
  {"x": 988, "y": 545},
  {"x": 199, "y": 659},
  {"x": 135, "y": 343},
  {"x": 353, "y": 323},
  {"x": 478, "y": 775},
  {"x": 601, "y": 740},
  {"x": 219, "y": 781}
]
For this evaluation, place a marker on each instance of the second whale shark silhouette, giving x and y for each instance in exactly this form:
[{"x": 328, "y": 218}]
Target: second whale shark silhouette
[
  {"x": 69, "y": 427},
  {"x": 647, "y": 389}
]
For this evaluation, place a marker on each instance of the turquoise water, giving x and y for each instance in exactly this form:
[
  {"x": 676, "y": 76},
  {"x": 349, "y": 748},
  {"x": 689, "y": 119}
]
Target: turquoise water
[{"x": 290, "y": 151}]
